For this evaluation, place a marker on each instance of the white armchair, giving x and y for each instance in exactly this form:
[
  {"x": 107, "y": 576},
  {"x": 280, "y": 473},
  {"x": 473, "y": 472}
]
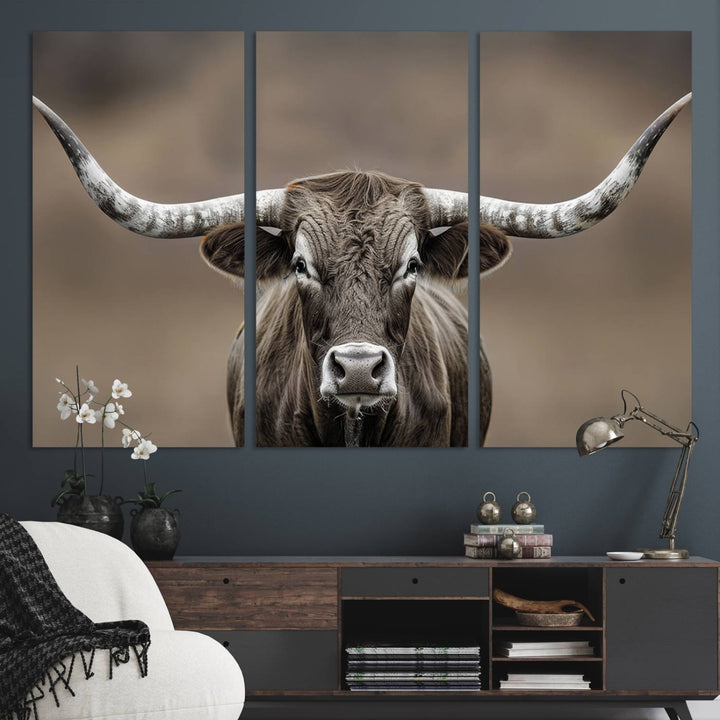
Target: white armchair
[{"x": 190, "y": 675}]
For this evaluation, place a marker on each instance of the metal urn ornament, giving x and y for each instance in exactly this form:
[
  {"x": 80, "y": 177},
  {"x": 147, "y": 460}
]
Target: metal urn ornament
[
  {"x": 523, "y": 511},
  {"x": 489, "y": 511},
  {"x": 508, "y": 547}
]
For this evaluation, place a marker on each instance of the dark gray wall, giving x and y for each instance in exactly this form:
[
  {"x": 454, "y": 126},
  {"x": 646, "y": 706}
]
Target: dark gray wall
[{"x": 418, "y": 501}]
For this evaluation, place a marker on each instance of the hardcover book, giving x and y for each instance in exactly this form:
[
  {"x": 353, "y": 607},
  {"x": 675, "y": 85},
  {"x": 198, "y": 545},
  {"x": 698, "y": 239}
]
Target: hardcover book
[
  {"x": 492, "y": 540},
  {"x": 545, "y": 677},
  {"x": 505, "y": 685},
  {"x": 479, "y": 529},
  {"x": 545, "y": 652},
  {"x": 489, "y": 553},
  {"x": 530, "y": 645}
]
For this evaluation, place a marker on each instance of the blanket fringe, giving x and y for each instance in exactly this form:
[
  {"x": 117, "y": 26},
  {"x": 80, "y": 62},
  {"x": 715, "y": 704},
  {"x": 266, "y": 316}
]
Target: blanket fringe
[{"x": 63, "y": 670}]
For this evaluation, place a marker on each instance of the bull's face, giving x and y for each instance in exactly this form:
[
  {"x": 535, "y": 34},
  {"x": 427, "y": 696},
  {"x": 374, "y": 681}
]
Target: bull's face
[{"x": 356, "y": 281}]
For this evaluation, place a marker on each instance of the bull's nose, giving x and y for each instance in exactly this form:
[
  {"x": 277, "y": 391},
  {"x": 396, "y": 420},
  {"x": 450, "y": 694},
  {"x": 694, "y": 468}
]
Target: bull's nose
[{"x": 358, "y": 369}]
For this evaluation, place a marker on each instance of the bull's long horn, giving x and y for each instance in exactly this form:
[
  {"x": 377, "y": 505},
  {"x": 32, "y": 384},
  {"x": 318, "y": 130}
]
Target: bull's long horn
[
  {"x": 162, "y": 220},
  {"x": 563, "y": 218}
]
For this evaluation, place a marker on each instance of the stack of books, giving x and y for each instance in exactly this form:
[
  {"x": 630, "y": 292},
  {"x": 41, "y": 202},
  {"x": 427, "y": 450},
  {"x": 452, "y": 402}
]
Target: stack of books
[
  {"x": 417, "y": 668},
  {"x": 538, "y": 681},
  {"x": 481, "y": 542},
  {"x": 551, "y": 648}
]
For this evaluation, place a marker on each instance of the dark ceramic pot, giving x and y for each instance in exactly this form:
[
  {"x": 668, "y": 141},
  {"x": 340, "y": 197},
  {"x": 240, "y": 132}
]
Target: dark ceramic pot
[
  {"x": 95, "y": 512},
  {"x": 155, "y": 533}
]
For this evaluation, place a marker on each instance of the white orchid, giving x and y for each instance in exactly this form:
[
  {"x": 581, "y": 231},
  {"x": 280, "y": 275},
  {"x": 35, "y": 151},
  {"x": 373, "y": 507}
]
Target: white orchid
[
  {"x": 128, "y": 437},
  {"x": 120, "y": 389},
  {"x": 89, "y": 411},
  {"x": 144, "y": 449},
  {"x": 65, "y": 406},
  {"x": 107, "y": 415},
  {"x": 89, "y": 386},
  {"x": 86, "y": 415}
]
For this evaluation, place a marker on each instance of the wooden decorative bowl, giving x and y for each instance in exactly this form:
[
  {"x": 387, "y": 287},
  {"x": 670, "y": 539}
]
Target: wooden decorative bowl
[{"x": 564, "y": 619}]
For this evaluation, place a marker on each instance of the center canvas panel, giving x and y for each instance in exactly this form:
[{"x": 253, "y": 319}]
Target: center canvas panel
[{"x": 361, "y": 262}]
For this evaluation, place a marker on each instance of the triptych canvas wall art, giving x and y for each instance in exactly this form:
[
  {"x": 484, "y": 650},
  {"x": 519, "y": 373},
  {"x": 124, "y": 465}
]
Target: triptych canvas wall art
[{"x": 362, "y": 240}]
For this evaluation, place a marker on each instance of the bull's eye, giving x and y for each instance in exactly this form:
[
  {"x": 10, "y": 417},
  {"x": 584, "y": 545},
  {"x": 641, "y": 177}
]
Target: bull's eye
[
  {"x": 413, "y": 267},
  {"x": 300, "y": 266}
]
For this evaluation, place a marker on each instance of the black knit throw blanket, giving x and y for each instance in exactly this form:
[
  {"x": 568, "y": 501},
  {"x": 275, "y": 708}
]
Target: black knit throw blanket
[{"x": 43, "y": 637}]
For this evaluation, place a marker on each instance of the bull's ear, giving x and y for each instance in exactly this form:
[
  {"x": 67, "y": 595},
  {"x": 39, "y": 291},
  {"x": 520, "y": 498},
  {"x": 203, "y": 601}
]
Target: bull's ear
[
  {"x": 445, "y": 253},
  {"x": 224, "y": 250},
  {"x": 495, "y": 249}
]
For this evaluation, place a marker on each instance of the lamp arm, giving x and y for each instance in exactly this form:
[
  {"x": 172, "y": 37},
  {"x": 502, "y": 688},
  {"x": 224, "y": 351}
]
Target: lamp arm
[
  {"x": 662, "y": 426},
  {"x": 686, "y": 438},
  {"x": 677, "y": 492}
]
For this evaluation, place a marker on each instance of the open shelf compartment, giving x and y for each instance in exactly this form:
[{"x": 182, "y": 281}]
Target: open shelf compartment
[
  {"x": 442, "y": 623},
  {"x": 584, "y": 585}
]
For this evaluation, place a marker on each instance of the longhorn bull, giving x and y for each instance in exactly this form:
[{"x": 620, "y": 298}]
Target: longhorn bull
[{"x": 367, "y": 344}]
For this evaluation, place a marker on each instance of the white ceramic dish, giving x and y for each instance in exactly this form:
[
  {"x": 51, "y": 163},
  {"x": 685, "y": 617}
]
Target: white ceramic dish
[{"x": 624, "y": 555}]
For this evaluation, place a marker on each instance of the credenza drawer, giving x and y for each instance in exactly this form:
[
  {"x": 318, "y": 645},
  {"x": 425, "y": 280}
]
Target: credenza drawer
[
  {"x": 247, "y": 598},
  {"x": 414, "y": 582},
  {"x": 289, "y": 660}
]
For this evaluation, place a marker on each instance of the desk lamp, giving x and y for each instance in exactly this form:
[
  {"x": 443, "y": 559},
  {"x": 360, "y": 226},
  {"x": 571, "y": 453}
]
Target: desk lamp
[{"x": 600, "y": 432}]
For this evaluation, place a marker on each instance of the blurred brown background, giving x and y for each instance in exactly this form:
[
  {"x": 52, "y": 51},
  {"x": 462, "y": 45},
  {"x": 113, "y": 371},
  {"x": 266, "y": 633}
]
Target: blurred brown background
[
  {"x": 162, "y": 113},
  {"x": 389, "y": 101},
  {"x": 569, "y": 322}
]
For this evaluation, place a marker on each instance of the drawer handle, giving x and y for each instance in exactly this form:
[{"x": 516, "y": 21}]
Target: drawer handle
[
  {"x": 622, "y": 581},
  {"x": 415, "y": 581},
  {"x": 226, "y": 580}
]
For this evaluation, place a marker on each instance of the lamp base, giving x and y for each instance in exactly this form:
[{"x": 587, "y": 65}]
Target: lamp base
[{"x": 663, "y": 553}]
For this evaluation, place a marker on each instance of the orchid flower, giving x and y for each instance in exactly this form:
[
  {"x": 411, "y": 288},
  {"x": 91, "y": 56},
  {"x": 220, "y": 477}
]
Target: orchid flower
[
  {"x": 144, "y": 449},
  {"x": 128, "y": 437},
  {"x": 89, "y": 386},
  {"x": 66, "y": 406},
  {"x": 107, "y": 415},
  {"x": 120, "y": 389},
  {"x": 86, "y": 415}
]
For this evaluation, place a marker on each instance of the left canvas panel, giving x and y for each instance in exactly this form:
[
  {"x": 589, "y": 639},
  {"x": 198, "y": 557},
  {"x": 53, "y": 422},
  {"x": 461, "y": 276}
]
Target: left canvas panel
[{"x": 130, "y": 297}]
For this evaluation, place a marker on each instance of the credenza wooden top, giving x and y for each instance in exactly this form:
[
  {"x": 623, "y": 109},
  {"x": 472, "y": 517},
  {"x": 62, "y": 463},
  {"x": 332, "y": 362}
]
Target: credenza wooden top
[{"x": 420, "y": 561}]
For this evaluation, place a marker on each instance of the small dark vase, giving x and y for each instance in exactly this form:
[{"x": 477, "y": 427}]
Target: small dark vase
[
  {"x": 155, "y": 532},
  {"x": 95, "y": 512}
]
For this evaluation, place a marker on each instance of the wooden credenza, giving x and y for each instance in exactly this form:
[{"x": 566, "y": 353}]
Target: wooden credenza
[{"x": 288, "y": 619}]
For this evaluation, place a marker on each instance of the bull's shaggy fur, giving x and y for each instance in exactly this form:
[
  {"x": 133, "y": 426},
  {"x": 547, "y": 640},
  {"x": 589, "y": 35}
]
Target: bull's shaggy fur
[{"x": 357, "y": 225}]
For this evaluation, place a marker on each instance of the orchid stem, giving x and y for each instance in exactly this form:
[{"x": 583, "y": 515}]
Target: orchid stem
[
  {"x": 82, "y": 442},
  {"x": 102, "y": 452}
]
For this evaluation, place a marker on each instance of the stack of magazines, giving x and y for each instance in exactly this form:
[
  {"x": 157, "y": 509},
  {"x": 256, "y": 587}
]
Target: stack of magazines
[
  {"x": 553, "y": 648},
  {"x": 412, "y": 667},
  {"x": 539, "y": 681}
]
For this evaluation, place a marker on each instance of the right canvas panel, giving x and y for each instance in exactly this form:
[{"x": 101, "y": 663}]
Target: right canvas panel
[{"x": 585, "y": 305}]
